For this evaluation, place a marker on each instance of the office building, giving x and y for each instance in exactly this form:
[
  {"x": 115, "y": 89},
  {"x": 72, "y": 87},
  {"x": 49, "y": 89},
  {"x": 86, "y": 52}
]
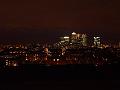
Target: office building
[{"x": 97, "y": 41}]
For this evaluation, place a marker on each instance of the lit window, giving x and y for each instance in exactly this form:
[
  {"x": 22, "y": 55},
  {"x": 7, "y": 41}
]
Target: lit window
[
  {"x": 58, "y": 59},
  {"x": 53, "y": 59}
]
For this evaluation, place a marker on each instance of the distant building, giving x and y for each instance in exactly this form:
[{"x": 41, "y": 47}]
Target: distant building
[
  {"x": 97, "y": 41},
  {"x": 74, "y": 40},
  {"x": 84, "y": 39},
  {"x": 64, "y": 39}
]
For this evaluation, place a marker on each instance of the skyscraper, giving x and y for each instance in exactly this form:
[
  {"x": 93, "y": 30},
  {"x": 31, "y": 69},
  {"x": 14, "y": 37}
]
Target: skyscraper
[
  {"x": 74, "y": 40},
  {"x": 84, "y": 39},
  {"x": 97, "y": 41}
]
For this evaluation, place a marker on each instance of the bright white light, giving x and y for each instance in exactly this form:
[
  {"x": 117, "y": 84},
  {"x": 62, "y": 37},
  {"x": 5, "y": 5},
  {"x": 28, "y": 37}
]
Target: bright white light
[
  {"x": 73, "y": 33},
  {"x": 6, "y": 63},
  {"x": 53, "y": 59},
  {"x": 26, "y": 59},
  {"x": 14, "y": 64},
  {"x": 66, "y": 37},
  {"x": 96, "y": 37},
  {"x": 58, "y": 59}
]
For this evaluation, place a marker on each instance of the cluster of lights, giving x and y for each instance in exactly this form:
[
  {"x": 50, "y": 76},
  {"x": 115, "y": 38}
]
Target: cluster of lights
[
  {"x": 10, "y": 63},
  {"x": 17, "y": 52}
]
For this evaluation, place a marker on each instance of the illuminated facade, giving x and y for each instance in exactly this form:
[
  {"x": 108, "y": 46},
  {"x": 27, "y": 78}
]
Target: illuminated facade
[
  {"x": 97, "y": 41},
  {"x": 64, "y": 39},
  {"x": 75, "y": 40},
  {"x": 84, "y": 39}
]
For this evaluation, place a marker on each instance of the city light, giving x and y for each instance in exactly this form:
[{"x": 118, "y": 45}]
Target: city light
[
  {"x": 73, "y": 33},
  {"x": 70, "y": 49},
  {"x": 66, "y": 37}
]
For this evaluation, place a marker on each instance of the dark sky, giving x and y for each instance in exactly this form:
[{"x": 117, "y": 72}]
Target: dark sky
[{"x": 46, "y": 19}]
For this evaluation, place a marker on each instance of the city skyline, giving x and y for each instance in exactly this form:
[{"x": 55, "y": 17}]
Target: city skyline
[
  {"x": 59, "y": 44},
  {"x": 49, "y": 36}
]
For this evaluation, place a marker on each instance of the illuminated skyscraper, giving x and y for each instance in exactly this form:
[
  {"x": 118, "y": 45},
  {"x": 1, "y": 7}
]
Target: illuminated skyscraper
[
  {"x": 75, "y": 38},
  {"x": 64, "y": 39},
  {"x": 84, "y": 39},
  {"x": 97, "y": 41}
]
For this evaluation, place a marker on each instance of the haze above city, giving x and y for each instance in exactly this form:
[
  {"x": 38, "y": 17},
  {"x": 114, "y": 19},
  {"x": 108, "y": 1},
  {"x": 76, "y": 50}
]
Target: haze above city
[{"x": 48, "y": 19}]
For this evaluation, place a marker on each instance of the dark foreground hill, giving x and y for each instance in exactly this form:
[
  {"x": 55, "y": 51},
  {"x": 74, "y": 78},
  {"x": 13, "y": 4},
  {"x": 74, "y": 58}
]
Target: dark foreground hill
[{"x": 37, "y": 77}]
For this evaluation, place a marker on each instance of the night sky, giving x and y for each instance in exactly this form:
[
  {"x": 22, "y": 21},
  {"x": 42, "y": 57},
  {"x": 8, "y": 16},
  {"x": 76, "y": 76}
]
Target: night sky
[{"x": 42, "y": 20}]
